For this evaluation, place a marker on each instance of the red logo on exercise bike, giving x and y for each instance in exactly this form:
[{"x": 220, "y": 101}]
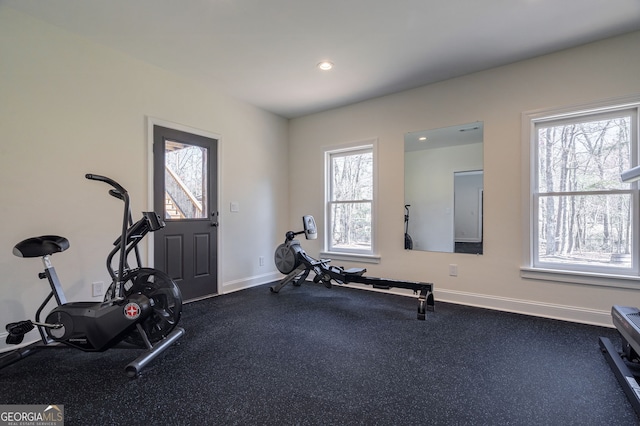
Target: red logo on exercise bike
[{"x": 132, "y": 310}]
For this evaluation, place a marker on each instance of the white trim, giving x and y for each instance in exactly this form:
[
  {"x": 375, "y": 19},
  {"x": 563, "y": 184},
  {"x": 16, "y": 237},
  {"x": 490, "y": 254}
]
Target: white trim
[
  {"x": 526, "y": 307},
  {"x": 554, "y": 113},
  {"x": 154, "y": 121},
  {"x": 11, "y": 348},
  {"x": 506, "y": 304},
  {"x": 350, "y": 257},
  {"x": 529, "y": 120},
  {"x": 363, "y": 144},
  {"x": 574, "y": 277},
  {"x": 245, "y": 283}
]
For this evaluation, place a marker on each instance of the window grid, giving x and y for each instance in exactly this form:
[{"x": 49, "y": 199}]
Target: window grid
[
  {"x": 596, "y": 203},
  {"x": 349, "y": 200}
]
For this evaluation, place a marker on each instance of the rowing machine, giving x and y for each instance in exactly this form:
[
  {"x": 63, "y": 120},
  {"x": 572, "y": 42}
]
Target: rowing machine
[{"x": 296, "y": 264}]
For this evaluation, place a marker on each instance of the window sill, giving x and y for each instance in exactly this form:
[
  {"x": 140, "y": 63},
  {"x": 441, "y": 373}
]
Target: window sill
[
  {"x": 350, "y": 257},
  {"x": 588, "y": 278}
]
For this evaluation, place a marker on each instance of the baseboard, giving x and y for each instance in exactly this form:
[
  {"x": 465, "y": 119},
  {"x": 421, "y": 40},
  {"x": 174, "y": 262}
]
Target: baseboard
[
  {"x": 244, "y": 283},
  {"x": 517, "y": 306},
  {"x": 8, "y": 348},
  {"x": 527, "y": 307}
]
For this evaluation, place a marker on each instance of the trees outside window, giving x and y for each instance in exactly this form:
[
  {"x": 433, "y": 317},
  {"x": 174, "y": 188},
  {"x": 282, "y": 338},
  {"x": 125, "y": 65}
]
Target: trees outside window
[
  {"x": 185, "y": 180},
  {"x": 349, "y": 199},
  {"x": 583, "y": 215}
]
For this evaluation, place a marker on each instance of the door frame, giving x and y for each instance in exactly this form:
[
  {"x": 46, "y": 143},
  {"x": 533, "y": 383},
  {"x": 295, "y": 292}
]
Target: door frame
[{"x": 154, "y": 121}]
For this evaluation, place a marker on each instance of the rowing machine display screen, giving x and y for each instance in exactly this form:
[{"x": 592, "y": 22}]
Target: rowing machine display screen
[{"x": 310, "y": 229}]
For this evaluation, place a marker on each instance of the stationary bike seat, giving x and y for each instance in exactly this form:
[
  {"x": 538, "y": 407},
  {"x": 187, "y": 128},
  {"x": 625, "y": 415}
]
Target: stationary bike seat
[{"x": 40, "y": 246}]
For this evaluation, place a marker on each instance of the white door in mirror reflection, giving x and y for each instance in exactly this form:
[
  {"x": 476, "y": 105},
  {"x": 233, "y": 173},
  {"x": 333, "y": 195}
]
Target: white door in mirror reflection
[
  {"x": 467, "y": 216},
  {"x": 432, "y": 158}
]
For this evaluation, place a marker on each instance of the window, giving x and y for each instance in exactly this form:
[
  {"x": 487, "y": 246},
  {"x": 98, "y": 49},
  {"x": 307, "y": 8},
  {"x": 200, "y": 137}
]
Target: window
[
  {"x": 185, "y": 180},
  {"x": 349, "y": 189},
  {"x": 583, "y": 218}
]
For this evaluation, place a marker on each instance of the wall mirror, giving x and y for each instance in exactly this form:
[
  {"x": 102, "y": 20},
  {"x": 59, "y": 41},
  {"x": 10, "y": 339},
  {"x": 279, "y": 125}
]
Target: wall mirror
[{"x": 443, "y": 182}]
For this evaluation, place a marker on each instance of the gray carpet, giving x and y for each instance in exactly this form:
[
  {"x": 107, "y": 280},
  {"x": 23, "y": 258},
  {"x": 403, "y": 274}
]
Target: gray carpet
[{"x": 311, "y": 356}]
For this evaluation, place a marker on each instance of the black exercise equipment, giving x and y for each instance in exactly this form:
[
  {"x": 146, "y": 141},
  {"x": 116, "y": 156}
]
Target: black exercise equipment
[
  {"x": 141, "y": 308},
  {"x": 625, "y": 362},
  {"x": 408, "y": 241},
  {"x": 296, "y": 264}
]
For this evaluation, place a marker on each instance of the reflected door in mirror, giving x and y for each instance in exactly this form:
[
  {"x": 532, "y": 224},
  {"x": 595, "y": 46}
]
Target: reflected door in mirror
[{"x": 432, "y": 160}]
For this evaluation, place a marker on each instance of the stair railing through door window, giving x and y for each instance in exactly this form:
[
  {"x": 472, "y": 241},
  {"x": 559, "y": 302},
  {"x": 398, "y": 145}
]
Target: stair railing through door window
[{"x": 181, "y": 203}]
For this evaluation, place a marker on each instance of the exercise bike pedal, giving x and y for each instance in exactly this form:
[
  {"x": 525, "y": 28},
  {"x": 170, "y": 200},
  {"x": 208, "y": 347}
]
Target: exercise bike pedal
[
  {"x": 17, "y": 330},
  {"x": 14, "y": 339},
  {"x": 20, "y": 327}
]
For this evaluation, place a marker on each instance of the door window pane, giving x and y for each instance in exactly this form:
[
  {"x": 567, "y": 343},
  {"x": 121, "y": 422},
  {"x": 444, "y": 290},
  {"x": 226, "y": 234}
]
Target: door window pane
[{"x": 185, "y": 181}]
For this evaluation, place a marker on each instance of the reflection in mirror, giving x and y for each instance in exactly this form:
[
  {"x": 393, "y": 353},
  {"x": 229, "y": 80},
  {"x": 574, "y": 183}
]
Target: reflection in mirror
[{"x": 443, "y": 184}]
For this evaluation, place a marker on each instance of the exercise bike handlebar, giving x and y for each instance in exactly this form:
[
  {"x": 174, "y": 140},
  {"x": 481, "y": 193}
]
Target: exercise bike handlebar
[
  {"x": 117, "y": 194},
  {"x": 119, "y": 188},
  {"x": 122, "y": 194}
]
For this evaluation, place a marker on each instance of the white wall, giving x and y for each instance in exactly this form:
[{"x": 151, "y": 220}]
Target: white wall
[
  {"x": 430, "y": 191},
  {"x": 70, "y": 107},
  {"x": 497, "y": 97}
]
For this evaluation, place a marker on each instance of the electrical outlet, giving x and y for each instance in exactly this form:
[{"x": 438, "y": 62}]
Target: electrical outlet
[
  {"x": 261, "y": 260},
  {"x": 453, "y": 270},
  {"x": 97, "y": 289}
]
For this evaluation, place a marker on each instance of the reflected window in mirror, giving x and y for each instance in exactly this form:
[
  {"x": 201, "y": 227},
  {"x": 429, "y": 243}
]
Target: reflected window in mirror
[{"x": 444, "y": 186}]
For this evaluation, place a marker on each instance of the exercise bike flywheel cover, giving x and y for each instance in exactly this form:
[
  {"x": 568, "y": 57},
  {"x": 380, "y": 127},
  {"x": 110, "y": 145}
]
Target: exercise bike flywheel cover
[
  {"x": 167, "y": 303},
  {"x": 285, "y": 258}
]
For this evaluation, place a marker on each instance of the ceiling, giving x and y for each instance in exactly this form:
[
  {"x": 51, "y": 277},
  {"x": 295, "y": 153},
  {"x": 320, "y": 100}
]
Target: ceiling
[
  {"x": 265, "y": 52},
  {"x": 445, "y": 137}
]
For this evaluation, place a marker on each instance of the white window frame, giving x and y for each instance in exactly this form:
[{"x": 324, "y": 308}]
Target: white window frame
[
  {"x": 624, "y": 278},
  {"x": 368, "y": 256}
]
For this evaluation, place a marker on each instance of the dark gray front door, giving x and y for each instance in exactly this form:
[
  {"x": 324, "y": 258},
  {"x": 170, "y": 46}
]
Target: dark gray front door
[{"x": 185, "y": 194}]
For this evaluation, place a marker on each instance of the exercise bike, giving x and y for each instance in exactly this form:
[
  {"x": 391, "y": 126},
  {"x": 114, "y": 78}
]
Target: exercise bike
[
  {"x": 408, "y": 241},
  {"x": 292, "y": 261},
  {"x": 141, "y": 308}
]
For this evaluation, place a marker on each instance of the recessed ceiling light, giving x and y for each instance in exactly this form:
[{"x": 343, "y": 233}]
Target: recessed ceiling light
[
  {"x": 422, "y": 138},
  {"x": 325, "y": 65}
]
